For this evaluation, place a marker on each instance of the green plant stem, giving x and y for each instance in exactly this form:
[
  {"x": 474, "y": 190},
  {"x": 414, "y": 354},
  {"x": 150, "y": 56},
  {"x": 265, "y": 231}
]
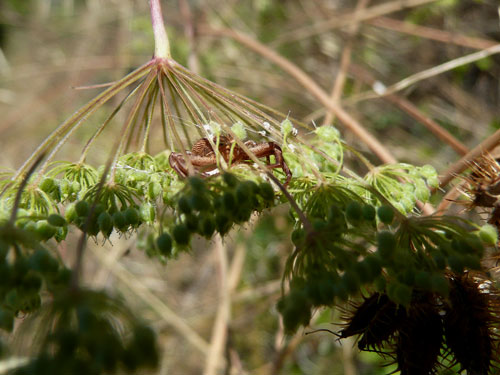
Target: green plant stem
[{"x": 162, "y": 45}]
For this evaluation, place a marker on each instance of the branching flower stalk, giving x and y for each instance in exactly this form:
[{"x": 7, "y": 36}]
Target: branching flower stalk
[{"x": 351, "y": 232}]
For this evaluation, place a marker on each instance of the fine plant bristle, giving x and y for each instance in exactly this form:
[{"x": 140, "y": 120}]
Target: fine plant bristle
[{"x": 471, "y": 315}]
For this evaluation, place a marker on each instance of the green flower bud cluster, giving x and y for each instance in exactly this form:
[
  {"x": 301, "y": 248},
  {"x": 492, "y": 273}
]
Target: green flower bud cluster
[
  {"x": 417, "y": 182},
  {"x": 84, "y": 338}
]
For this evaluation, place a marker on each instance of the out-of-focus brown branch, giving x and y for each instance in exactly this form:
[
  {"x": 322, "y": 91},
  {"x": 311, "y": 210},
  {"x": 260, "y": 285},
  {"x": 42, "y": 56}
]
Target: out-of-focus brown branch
[
  {"x": 408, "y": 107},
  {"x": 345, "y": 60},
  {"x": 312, "y": 87},
  {"x": 487, "y": 145},
  {"x": 431, "y": 33},
  {"x": 342, "y": 20}
]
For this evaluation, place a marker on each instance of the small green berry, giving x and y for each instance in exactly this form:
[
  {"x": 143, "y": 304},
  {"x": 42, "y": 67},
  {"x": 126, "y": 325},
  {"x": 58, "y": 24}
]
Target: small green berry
[
  {"x": 181, "y": 234},
  {"x": 56, "y": 220},
  {"x": 132, "y": 216},
  {"x": 164, "y": 244},
  {"x": 119, "y": 220},
  {"x": 488, "y": 234},
  {"x": 385, "y": 214},
  {"x": 105, "y": 222},
  {"x": 230, "y": 179},
  {"x": 266, "y": 191},
  {"x": 184, "y": 206},
  {"x": 82, "y": 208},
  {"x": 354, "y": 211},
  {"x": 386, "y": 242}
]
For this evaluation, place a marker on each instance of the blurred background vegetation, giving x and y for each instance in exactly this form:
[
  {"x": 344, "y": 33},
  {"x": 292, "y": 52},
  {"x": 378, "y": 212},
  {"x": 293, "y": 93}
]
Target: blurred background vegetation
[{"x": 50, "y": 49}]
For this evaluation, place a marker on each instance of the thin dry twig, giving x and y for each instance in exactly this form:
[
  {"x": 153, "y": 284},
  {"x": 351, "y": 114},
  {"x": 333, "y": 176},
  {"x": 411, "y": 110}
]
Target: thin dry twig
[
  {"x": 345, "y": 60},
  {"x": 219, "y": 330},
  {"x": 408, "y": 107},
  {"x": 339, "y": 21},
  {"x": 428, "y": 73},
  {"x": 458, "y": 167},
  {"x": 431, "y": 33}
]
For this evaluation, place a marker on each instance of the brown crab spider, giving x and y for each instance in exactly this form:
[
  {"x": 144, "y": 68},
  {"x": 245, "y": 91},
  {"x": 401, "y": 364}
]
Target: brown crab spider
[{"x": 204, "y": 159}]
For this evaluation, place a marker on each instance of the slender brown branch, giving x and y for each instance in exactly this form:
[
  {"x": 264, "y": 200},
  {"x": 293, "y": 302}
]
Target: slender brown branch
[
  {"x": 345, "y": 61},
  {"x": 342, "y": 20},
  {"x": 487, "y": 145},
  {"x": 430, "y": 124},
  {"x": 405, "y": 105},
  {"x": 313, "y": 88},
  {"x": 431, "y": 33}
]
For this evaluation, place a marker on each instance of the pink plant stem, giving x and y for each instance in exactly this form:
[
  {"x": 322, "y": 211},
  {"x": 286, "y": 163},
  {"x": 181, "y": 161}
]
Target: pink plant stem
[{"x": 162, "y": 46}]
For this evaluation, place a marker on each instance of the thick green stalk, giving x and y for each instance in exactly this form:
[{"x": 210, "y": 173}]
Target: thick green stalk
[{"x": 162, "y": 46}]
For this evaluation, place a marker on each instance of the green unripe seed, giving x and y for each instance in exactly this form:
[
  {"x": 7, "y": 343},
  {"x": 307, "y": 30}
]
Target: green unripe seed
[
  {"x": 230, "y": 179},
  {"x": 199, "y": 202},
  {"x": 243, "y": 213},
  {"x": 181, "y": 234},
  {"x": 369, "y": 212},
  {"x": 184, "y": 206},
  {"x": 71, "y": 213},
  {"x": 132, "y": 216},
  {"x": 266, "y": 191},
  {"x": 154, "y": 190},
  {"x": 56, "y": 220},
  {"x": 386, "y": 242},
  {"x": 119, "y": 220},
  {"x": 164, "y": 244},
  {"x": 385, "y": 214},
  {"x": 82, "y": 208},
  {"x": 45, "y": 230},
  {"x": 207, "y": 226},
  {"x": 75, "y": 187},
  {"x": 354, "y": 211},
  {"x": 244, "y": 192},
  {"x": 147, "y": 212},
  {"x": 488, "y": 234},
  {"x": 222, "y": 223},
  {"x": 47, "y": 184},
  {"x": 428, "y": 171},
  {"x": 197, "y": 183},
  {"x": 105, "y": 222},
  {"x": 229, "y": 201},
  {"x": 422, "y": 193}
]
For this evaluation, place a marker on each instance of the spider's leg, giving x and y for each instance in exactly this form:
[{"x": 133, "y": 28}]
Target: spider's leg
[
  {"x": 176, "y": 161},
  {"x": 280, "y": 162}
]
